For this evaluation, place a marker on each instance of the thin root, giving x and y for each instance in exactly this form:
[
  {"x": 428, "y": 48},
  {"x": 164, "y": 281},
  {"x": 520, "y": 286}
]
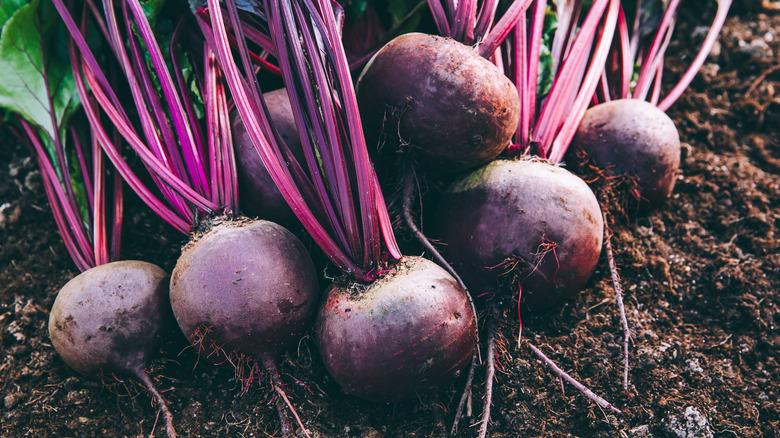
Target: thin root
[
  {"x": 287, "y": 429},
  {"x": 465, "y": 398},
  {"x": 491, "y": 369},
  {"x": 582, "y": 388},
  {"x": 162, "y": 405},
  {"x": 619, "y": 298}
]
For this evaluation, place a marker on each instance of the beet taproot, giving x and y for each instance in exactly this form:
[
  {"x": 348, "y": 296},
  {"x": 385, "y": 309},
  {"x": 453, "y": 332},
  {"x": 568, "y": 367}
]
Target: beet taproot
[{"x": 107, "y": 320}]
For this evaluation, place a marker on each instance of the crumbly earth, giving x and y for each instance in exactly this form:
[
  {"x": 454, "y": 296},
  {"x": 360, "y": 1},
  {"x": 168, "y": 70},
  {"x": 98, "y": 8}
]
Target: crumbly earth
[{"x": 701, "y": 274}]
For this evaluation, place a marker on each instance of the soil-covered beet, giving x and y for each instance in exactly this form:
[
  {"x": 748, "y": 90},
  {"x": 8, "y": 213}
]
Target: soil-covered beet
[
  {"x": 701, "y": 274},
  {"x": 633, "y": 138},
  {"x": 399, "y": 336},
  {"x": 521, "y": 223},
  {"x": 437, "y": 99}
]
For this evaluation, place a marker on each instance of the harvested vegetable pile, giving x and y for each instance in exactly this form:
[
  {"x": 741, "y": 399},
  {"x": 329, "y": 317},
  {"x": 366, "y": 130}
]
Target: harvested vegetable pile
[{"x": 700, "y": 273}]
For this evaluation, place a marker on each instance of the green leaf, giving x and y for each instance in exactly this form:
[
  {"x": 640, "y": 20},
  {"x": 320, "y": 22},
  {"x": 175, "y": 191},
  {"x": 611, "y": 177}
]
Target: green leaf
[
  {"x": 152, "y": 9},
  {"x": 37, "y": 82},
  {"x": 8, "y": 7},
  {"x": 353, "y": 8}
]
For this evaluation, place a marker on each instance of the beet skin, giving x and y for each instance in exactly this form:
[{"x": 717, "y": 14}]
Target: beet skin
[
  {"x": 410, "y": 330},
  {"x": 454, "y": 108},
  {"x": 522, "y": 222},
  {"x": 244, "y": 288}
]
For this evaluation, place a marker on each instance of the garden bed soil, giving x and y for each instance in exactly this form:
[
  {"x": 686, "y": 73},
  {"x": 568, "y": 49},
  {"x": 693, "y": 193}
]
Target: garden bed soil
[{"x": 701, "y": 275}]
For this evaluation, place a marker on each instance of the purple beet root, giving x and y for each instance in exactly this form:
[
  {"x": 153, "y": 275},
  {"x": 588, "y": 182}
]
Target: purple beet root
[
  {"x": 411, "y": 330},
  {"x": 107, "y": 320},
  {"x": 522, "y": 222},
  {"x": 244, "y": 292},
  {"x": 632, "y": 137},
  {"x": 453, "y": 108},
  {"x": 244, "y": 288}
]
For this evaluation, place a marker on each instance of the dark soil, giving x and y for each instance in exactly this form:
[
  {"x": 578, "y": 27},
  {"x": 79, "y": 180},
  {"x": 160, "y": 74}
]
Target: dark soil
[{"x": 701, "y": 275}]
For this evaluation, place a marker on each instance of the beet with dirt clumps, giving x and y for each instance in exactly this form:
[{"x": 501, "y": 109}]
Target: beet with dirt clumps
[
  {"x": 411, "y": 330},
  {"x": 244, "y": 289},
  {"x": 634, "y": 138},
  {"x": 107, "y": 319},
  {"x": 453, "y": 109},
  {"x": 525, "y": 223}
]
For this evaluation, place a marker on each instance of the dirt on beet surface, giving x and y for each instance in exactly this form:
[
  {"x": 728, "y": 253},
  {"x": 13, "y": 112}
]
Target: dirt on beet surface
[{"x": 701, "y": 277}]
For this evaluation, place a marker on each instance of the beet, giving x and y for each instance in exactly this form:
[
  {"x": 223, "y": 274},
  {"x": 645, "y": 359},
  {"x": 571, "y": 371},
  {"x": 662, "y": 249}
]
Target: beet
[
  {"x": 412, "y": 329},
  {"x": 107, "y": 319},
  {"x": 452, "y": 107},
  {"x": 244, "y": 288},
  {"x": 523, "y": 222},
  {"x": 635, "y": 138},
  {"x": 259, "y": 195}
]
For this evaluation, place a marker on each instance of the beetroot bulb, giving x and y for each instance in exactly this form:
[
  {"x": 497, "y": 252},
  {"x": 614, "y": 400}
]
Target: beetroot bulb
[
  {"x": 244, "y": 288},
  {"x": 443, "y": 100},
  {"x": 525, "y": 222},
  {"x": 107, "y": 320},
  {"x": 242, "y": 293},
  {"x": 634, "y": 138},
  {"x": 438, "y": 100},
  {"x": 411, "y": 330}
]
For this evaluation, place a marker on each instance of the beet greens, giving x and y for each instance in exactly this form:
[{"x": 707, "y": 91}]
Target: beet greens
[{"x": 108, "y": 318}]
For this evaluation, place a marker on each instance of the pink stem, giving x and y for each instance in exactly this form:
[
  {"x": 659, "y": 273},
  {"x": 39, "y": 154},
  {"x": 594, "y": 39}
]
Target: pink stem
[
  {"x": 503, "y": 27},
  {"x": 664, "y": 31},
  {"x": 709, "y": 42},
  {"x": 572, "y": 122},
  {"x": 440, "y": 17}
]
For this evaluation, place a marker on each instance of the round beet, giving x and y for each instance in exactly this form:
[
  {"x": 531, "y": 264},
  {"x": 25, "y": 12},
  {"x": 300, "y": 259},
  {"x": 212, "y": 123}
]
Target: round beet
[
  {"x": 259, "y": 195},
  {"x": 244, "y": 288},
  {"x": 107, "y": 320},
  {"x": 410, "y": 330},
  {"x": 454, "y": 108},
  {"x": 522, "y": 222},
  {"x": 632, "y": 137}
]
